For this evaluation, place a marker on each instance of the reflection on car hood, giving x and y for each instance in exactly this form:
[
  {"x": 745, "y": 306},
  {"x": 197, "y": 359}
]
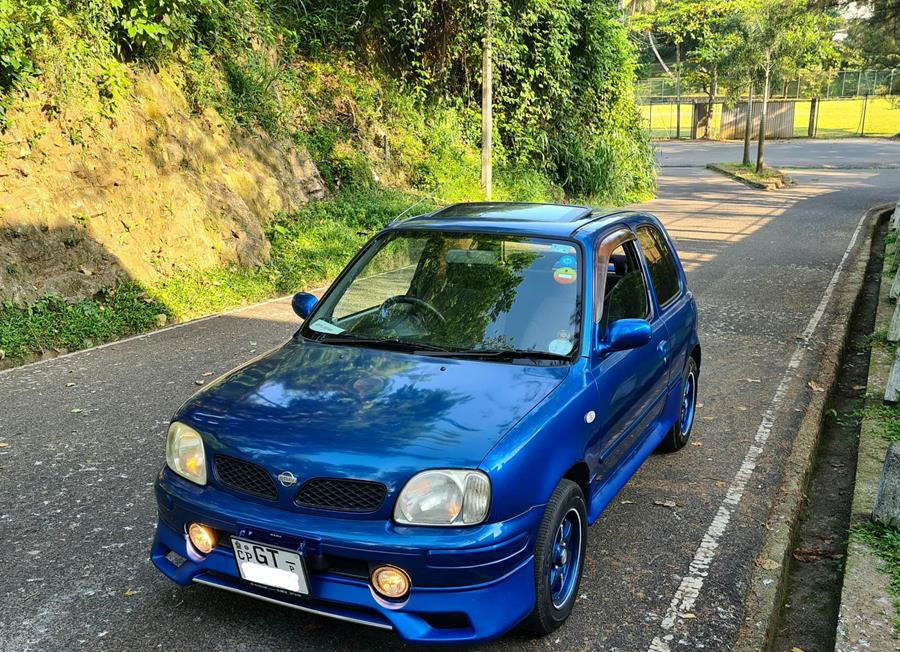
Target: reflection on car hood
[{"x": 332, "y": 410}]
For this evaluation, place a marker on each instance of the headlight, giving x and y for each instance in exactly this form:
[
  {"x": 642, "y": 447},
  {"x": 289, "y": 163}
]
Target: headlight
[
  {"x": 184, "y": 453},
  {"x": 444, "y": 497}
]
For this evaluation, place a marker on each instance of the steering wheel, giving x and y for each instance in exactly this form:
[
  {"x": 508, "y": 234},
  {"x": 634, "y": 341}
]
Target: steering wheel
[{"x": 411, "y": 301}]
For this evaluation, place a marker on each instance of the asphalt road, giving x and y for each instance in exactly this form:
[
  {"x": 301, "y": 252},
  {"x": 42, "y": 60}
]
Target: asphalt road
[{"x": 81, "y": 439}]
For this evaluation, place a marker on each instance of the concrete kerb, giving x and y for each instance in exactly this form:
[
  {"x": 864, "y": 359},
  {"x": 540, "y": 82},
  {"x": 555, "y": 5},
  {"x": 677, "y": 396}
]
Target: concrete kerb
[
  {"x": 865, "y": 621},
  {"x": 765, "y": 591}
]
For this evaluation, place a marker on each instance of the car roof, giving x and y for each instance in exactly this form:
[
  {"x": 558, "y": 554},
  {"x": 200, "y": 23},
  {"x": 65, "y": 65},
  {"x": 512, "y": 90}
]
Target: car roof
[{"x": 559, "y": 220}]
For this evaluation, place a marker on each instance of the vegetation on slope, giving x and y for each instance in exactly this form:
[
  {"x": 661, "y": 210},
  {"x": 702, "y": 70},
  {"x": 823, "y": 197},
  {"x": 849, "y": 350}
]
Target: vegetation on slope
[{"x": 384, "y": 95}]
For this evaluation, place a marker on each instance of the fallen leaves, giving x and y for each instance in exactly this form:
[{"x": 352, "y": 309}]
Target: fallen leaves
[
  {"x": 766, "y": 564},
  {"x": 3, "y": 444},
  {"x": 671, "y": 504},
  {"x": 70, "y": 384},
  {"x": 687, "y": 615},
  {"x": 816, "y": 387},
  {"x": 814, "y": 554},
  {"x": 75, "y": 410},
  {"x": 626, "y": 502},
  {"x": 199, "y": 382}
]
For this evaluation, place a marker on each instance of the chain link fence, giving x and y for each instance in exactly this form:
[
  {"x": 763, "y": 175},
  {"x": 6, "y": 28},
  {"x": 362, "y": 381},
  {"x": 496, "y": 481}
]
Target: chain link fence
[
  {"x": 846, "y": 83},
  {"x": 800, "y": 118}
]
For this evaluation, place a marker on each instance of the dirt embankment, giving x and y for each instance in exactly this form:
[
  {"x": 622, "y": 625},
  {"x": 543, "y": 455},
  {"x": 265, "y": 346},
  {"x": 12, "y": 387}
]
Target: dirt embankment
[{"x": 157, "y": 188}]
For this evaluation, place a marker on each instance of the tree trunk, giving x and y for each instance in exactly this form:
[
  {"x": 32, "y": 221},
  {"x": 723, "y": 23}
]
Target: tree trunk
[
  {"x": 748, "y": 126},
  {"x": 761, "y": 142},
  {"x": 678, "y": 90},
  {"x": 656, "y": 52},
  {"x": 487, "y": 118},
  {"x": 710, "y": 103}
]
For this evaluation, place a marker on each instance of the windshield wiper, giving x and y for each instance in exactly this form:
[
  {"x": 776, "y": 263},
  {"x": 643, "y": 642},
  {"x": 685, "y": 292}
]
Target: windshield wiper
[
  {"x": 381, "y": 343},
  {"x": 510, "y": 354}
]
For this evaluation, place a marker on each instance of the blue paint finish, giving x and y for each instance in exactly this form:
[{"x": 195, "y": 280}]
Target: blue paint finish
[
  {"x": 303, "y": 304},
  {"x": 339, "y": 411}
]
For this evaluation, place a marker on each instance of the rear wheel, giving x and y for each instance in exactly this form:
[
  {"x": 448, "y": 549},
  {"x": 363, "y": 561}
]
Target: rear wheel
[
  {"x": 680, "y": 433},
  {"x": 558, "y": 558}
]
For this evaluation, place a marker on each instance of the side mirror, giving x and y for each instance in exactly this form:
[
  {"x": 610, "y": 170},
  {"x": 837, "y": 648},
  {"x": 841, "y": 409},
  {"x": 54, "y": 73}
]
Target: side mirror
[
  {"x": 303, "y": 304},
  {"x": 627, "y": 334}
]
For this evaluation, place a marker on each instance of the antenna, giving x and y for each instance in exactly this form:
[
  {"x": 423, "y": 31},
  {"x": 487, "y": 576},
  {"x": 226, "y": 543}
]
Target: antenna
[{"x": 397, "y": 219}]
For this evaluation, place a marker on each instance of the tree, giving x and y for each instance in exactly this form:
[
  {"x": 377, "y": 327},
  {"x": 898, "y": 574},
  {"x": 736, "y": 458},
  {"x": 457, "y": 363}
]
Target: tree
[{"x": 783, "y": 36}]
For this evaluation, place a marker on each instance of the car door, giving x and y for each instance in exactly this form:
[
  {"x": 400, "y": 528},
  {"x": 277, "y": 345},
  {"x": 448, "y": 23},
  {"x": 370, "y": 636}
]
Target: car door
[
  {"x": 631, "y": 384},
  {"x": 673, "y": 302}
]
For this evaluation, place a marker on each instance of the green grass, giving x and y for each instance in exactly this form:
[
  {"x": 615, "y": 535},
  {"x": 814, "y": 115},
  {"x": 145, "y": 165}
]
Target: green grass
[
  {"x": 309, "y": 248},
  {"x": 886, "y": 417},
  {"x": 836, "y": 118},
  {"x": 53, "y": 324},
  {"x": 885, "y": 541},
  {"x": 749, "y": 172}
]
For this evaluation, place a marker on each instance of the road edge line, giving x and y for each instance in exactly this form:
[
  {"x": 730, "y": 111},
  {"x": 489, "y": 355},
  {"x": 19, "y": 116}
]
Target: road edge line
[{"x": 765, "y": 590}]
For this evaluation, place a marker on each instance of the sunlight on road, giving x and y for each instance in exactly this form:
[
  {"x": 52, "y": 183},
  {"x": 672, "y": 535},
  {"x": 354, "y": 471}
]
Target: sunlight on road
[{"x": 698, "y": 208}]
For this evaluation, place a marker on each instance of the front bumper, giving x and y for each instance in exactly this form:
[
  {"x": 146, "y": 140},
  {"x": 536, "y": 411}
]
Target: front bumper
[{"x": 469, "y": 584}]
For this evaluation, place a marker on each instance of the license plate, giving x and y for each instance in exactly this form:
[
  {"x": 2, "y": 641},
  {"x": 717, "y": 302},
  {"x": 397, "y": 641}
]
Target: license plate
[{"x": 270, "y": 566}]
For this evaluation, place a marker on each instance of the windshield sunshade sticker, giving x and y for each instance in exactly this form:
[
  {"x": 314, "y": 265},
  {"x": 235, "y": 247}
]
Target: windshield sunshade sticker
[
  {"x": 562, "y": 249},
  {"x": 565, "y": 275},
  {"x": 562, "y": 345},
  {"x": 323, "y": 326}
]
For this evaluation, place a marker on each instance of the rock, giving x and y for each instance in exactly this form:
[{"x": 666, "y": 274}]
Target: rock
[{"x": 887, "y": 501}]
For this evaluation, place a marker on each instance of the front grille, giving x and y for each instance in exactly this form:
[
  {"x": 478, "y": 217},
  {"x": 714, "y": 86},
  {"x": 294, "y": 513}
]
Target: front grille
[
  {"x": 244, "y": 476},
  {"x": 341, "y": 495}
]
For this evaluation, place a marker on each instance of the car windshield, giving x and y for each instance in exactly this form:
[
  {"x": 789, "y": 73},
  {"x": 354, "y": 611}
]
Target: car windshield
[{"x": 464, "y": 293}]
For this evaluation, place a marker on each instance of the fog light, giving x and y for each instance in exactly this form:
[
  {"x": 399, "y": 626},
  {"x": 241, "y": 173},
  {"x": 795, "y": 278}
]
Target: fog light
[
  {"x": 202, "y": 537},
  {"x": 390, "y": 582}
]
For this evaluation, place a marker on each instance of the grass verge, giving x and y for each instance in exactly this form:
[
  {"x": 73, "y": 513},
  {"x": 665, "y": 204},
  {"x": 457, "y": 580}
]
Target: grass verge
[
  {"x": 768, "y": 179},
  {"x": 885, "y": 541},
  {"x": 309, "y": 247}
]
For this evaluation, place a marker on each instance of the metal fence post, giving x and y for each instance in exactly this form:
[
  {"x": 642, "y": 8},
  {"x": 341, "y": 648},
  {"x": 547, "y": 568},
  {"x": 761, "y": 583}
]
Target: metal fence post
[
  {"x": 843, "y": 81},
  {"x": 891, "y": 84},
  {"x": 858, "y": 82},
  {"x": 862, "y": 126}
]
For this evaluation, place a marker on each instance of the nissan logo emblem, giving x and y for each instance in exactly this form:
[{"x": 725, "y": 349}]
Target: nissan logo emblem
[{"x": 287, "y": 479}]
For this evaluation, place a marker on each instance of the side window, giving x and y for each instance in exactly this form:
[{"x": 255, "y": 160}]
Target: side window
[
  {"x": 625, "y": 294},
  {"x": 661, "y": 261}
]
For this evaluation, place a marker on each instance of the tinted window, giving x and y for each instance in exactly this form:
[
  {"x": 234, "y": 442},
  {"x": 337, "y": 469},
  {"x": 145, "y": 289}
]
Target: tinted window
[
  {"x": 460, "y": 291},
  {"x": 625, "y": 294},
  {"x": 661, "y": 261}
]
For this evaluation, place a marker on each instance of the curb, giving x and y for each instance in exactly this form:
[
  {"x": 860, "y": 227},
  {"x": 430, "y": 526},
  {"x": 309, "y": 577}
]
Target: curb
[
  {"x": 865, "y": 620},
  {"x": 776, "y": 184},
  {"x": 765, "y": 591}
]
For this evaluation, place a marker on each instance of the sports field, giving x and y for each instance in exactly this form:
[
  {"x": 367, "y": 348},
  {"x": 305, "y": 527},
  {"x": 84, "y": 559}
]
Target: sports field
[{"x": 837, "y": 118}]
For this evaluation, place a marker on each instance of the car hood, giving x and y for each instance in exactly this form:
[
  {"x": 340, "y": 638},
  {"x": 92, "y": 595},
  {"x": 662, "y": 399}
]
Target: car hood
[{"x": 326, "y": 410}]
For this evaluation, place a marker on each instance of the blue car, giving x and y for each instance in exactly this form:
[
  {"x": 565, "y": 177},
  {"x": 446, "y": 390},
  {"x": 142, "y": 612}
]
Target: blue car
[{"x": 426, "y": 453}]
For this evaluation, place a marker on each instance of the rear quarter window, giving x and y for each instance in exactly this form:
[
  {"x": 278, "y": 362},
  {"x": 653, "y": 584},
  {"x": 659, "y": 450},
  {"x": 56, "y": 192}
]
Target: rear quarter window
[{"x": 661, "y": 261}]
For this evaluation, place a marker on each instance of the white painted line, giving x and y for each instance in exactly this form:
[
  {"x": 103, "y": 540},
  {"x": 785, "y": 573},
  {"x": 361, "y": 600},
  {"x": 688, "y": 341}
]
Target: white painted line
[
  {"x": 689, "y": 590},
  {"x": 141, "y": 336}
]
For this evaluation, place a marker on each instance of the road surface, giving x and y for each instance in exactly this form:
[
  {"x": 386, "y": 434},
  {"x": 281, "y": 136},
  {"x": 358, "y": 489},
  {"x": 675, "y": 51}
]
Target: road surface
[{"x": 81, "y": 439}]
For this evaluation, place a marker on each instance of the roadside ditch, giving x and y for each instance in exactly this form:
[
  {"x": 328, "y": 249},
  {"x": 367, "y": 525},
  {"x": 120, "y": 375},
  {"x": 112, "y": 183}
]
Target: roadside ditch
[{"x": 812, "y": 594}]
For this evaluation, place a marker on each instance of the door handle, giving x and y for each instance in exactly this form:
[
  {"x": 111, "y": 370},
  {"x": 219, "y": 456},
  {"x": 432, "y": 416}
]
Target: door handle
[{"x": 663, "y": 349}]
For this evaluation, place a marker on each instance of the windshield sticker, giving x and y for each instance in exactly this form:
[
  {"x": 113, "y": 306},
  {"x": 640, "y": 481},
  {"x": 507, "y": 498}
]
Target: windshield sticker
[
  {"x": 562, "y": 249},
  {"x": 565, "y": 275},
  {"x": 323, "y": 326},
  {"x": 566, "y": 261},
  {"x": 562, "y": 345}
]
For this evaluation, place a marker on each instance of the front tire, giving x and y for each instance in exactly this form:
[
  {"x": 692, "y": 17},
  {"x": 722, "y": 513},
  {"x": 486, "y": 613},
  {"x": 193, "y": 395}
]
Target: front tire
[
  {"x": 678, "y": 436},
  {"x": 558, "y": 558}
]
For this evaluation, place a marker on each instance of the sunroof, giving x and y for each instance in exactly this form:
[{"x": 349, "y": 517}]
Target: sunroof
[{"x": 518, "y": 212}]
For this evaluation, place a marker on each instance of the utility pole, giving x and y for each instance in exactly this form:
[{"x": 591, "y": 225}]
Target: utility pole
[{"x": 487, "y": 117}]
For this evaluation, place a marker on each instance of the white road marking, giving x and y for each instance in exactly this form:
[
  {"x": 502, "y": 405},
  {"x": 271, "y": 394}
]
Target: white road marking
[{"x": 689, "y": 590}]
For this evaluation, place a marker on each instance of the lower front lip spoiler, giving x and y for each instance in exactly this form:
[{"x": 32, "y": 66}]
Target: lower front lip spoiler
[{"x": 221, "y": 583}]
